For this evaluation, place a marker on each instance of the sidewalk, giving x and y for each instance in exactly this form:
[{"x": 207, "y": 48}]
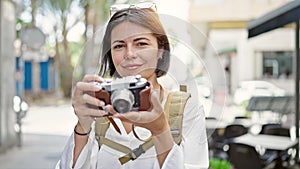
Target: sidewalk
[
  {"x": 46, "y": 128},
  {"x": 38, "y": 152}
]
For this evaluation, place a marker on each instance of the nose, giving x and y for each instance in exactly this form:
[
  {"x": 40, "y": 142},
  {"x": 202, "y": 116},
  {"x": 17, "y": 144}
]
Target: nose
[{"x": 130, "y": 53}]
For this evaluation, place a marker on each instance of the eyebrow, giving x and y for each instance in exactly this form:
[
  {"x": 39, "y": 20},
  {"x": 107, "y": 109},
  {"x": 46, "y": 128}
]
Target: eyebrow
[
  {"x": 118, "y": 41},
  {"x": 141, "y": 38},
  {"x": 136, "y": 39}
]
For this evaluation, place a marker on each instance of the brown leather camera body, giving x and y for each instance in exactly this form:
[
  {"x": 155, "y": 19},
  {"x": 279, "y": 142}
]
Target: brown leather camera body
[{"x": 142, "y": 103}]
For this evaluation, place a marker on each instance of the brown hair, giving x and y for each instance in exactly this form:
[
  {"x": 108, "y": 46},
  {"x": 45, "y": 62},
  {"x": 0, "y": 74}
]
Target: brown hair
[{"x": 143, "y": 17}]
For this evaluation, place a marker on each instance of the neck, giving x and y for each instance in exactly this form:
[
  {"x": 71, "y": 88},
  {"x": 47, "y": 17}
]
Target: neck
[{"x": 153, "y": 80}]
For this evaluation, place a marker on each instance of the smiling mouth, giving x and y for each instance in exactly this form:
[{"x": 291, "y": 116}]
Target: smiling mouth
[{"x": 131, "y": 67}]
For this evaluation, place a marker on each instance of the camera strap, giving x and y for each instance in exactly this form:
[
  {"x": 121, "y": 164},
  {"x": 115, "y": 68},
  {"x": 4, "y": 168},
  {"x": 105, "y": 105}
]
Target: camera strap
[
  {"x": 111, "y": 120},
  {"x": 136, "y": 135}
]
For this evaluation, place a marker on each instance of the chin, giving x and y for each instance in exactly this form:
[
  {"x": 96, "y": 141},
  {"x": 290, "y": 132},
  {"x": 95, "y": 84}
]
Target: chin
[
  {"x": 145, "y": 74},
  {"x": 129, "y": 74}
]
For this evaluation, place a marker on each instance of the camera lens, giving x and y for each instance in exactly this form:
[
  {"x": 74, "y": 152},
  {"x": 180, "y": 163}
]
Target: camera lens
[{"x": 122, "y": 100}]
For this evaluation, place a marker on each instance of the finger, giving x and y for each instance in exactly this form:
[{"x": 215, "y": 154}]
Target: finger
[
  {"x": 138, "y": 118},
  {"x": 90, "y": 78},
  {"x": 154, "y": 89},
  {"x": 83, "y": 86},
  {"x": 127, "y": 117},
  {"x": 131, "y": 117},
  {"x": 88, "y": 99},
  {"x": 90, "y": 112},
  {"x": 97, "y": 113},
  {"x": 155, "y": 101},
  {"x": 109, "y": 108}
]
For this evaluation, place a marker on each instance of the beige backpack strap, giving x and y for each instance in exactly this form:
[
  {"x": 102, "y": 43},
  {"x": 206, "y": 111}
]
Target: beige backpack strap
[
  {"x": 101, "y": 126},
  {"x": 174, "y": 109},
  {"x": 134, "y": 154},
  {"x": 114, "y": 145}
]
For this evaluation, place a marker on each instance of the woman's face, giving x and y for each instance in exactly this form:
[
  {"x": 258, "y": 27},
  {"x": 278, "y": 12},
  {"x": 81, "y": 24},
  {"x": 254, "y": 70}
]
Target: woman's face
[{"x": 134, "y": 50}]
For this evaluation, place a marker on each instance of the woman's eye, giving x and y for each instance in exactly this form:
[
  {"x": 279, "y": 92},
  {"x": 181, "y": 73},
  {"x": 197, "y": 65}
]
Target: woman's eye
[
  {"x": 142, "y": 44},
  {"x": 119, "y": 46}
]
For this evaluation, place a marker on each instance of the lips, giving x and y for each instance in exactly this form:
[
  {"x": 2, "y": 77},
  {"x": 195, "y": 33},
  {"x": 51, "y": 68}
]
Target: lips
[{"x": 132, "y": 66}]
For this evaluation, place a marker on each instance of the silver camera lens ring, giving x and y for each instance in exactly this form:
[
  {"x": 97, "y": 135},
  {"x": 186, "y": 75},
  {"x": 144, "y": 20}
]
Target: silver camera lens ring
[{"x": 122, "y": 100}]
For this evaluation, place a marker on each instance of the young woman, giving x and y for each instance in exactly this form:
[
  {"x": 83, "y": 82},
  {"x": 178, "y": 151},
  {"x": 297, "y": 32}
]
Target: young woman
[{"x": 135, "y": 43}]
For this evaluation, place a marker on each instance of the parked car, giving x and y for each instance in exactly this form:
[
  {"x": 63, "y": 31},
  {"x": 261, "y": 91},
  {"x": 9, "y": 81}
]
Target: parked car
[{"x": 247, "y": 89}]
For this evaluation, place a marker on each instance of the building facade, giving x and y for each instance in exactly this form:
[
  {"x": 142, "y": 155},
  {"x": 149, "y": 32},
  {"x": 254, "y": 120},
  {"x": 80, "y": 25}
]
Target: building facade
[{"x": 267, "y": 57}]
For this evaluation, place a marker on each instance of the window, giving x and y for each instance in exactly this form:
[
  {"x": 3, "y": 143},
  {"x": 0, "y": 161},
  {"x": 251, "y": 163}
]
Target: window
[{"x": 277, "y": 64}]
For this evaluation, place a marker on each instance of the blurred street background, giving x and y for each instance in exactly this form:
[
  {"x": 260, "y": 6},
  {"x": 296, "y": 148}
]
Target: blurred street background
[
  {"x": 46, "y": 128},
  {"x": 230, "y": 53}
]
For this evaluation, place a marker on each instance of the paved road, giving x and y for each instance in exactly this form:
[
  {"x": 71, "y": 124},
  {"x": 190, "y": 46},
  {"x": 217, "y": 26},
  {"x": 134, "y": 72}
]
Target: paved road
[{"x": 46, "y": 130}]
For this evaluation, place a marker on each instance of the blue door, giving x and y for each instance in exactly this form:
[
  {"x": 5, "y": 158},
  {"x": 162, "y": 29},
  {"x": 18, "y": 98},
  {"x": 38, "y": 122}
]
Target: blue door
[
  {"x": 28, "y": 75},
  {"x": 44, "y": 75}
]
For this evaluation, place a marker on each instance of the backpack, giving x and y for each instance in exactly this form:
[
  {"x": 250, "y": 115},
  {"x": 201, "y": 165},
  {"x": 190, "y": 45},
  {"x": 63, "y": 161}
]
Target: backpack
[{"x": 174, "y": 108}]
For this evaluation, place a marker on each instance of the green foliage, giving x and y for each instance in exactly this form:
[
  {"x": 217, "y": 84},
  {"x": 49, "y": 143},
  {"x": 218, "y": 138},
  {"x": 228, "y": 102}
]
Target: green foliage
[
  {"x": 244, "y": 105},
  {"x": 76, "y": 50},
  {"x": 215, "y": 163},
  {"x": 57, "y": 6},
  {"x": 20, "y": 24}
]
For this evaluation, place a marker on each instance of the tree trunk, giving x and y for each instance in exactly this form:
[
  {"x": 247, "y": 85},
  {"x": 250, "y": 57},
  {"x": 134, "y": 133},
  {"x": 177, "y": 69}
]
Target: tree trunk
[{"x": 66, "y": 69}]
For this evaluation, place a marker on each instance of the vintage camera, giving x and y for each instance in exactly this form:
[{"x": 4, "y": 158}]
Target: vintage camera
[{"x": 125, "y": 94}]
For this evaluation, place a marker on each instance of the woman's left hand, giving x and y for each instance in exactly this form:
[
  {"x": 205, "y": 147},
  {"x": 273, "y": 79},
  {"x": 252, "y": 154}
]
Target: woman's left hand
[{"x": 154, "y": 120}]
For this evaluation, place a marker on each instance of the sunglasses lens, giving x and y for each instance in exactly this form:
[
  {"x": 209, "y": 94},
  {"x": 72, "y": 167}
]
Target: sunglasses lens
[
  {"x": 118, "y": 7},
  {"x": 143, "y": 5}
]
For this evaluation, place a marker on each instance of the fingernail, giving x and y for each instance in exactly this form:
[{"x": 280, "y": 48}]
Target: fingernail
[{"x": 102, "y": 104}]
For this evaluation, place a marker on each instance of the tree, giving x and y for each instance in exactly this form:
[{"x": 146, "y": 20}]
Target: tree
[
  {"x": 96, "y": 12},
  {"x": 62, "y": 12},
  {"x": 93, "y": 13}
]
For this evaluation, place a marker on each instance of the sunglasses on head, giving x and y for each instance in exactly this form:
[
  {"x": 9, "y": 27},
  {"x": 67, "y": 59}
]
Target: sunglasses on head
[{"x": 142, "y": 5}]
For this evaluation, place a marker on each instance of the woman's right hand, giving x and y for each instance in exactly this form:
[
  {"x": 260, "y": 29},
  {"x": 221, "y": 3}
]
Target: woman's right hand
[{"x": 80, "y": 100}]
